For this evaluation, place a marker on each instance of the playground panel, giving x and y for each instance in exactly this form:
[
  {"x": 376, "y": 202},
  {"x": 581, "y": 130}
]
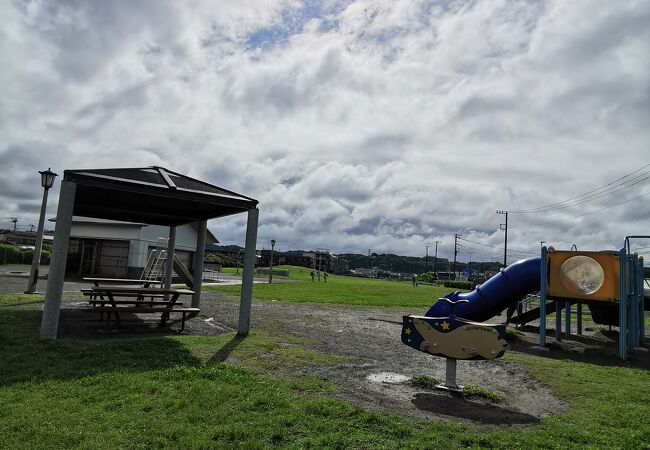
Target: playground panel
[{"x": 583, "y": 275}]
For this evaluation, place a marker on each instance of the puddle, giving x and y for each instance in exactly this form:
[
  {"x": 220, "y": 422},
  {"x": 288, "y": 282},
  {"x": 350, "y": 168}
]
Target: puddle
[{"x": 387, "y": 377}]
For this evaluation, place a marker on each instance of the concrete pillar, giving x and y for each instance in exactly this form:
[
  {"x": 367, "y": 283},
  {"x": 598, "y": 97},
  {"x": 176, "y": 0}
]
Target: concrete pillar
[
  {"x": 169, "y": 262},
  {"x": 246, "y": 299},
  {"x": 198, "y": 263},
  {"x": 52, "y": 306}
]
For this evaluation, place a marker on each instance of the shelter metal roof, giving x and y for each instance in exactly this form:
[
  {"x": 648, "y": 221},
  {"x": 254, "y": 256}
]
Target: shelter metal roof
[{"x": 152, "y": 195}]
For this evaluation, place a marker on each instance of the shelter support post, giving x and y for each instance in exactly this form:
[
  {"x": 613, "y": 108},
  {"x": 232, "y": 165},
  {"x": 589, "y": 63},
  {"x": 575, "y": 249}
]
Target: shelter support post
[
  {"x": 542, "y": 300},
  {"x": 246, "y": 299},
  {"x": 54, "y": 290},
  {"x": 169, "y": 262},
  {"x": 199, "y": 255}
]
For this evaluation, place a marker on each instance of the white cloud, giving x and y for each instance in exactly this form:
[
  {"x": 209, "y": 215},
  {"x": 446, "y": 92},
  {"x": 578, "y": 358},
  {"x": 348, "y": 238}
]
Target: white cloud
[{"x": 368, "y": 124}]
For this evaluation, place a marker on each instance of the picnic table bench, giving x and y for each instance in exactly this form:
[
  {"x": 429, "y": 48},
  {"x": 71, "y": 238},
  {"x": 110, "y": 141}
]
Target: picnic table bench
[
  {"x": 124, "y": 281},
  {"x": 141, "y": 306}
]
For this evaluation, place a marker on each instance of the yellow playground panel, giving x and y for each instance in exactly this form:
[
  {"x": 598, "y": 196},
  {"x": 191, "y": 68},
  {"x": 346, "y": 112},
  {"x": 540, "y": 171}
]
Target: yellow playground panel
[{"x": 583, "y": 275}]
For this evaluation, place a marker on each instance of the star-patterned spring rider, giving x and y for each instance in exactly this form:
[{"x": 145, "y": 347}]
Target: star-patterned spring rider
[{"x": 454, "y": 338}]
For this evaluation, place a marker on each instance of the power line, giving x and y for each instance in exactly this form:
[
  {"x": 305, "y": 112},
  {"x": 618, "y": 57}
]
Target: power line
[
  {"x": 492, "y": 255},
  {"x": 486, "y": 226},
  {"x": 594, "y": 196},
  {"x": 607, "y": 188},
  {"x": 483, "y": 224},
  {"x": 492, "y": 246},
  {"x": 582, "y": 215}
]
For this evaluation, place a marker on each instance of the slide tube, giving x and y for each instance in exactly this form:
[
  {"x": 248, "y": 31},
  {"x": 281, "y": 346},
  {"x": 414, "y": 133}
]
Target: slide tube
[{"x": 498, "y": 293}]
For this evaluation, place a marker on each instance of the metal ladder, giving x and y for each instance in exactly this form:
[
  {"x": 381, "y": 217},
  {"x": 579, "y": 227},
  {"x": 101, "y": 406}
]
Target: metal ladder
[{"x": 155, "y": 267}]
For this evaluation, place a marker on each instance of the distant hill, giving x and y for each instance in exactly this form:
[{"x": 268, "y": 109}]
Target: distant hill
[
  {"x": 410, "y": 264},
  {"x": 385, "y": 261},
  {"x": 393, "y": 263},
  {"x": 224, "y": 248}
]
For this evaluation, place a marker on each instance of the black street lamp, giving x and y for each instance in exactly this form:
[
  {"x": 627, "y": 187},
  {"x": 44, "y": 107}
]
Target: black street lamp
[
  {"x": 271, "y": 261},
  {"x": 47, "y": 181}
]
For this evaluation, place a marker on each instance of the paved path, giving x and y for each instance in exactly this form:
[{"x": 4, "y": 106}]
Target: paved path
[{"x": 14, "y": 279}]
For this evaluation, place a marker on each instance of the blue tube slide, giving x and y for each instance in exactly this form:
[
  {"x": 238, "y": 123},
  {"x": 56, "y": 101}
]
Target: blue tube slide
[{"x": 498, "y": 293}]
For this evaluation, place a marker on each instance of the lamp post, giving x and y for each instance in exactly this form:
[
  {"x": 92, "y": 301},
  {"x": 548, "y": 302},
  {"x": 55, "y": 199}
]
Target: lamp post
[
  {"x": 470, "y": 263},
  {"x": 271, "y": 261},
  {"x": 47, "y": 180},
  {"x": 541, "y": 244}
]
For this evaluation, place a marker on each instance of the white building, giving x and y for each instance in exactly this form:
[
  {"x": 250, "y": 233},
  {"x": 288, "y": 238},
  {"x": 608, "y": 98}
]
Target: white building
[{"x": 114, "y": 249}]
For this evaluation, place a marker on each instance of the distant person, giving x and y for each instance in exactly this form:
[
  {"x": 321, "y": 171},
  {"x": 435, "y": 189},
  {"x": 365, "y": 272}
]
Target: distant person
[
  {"x": 414, "y": 280},
  {"x": 313, "y": 276},
  {"x": 325, "y": 275}
]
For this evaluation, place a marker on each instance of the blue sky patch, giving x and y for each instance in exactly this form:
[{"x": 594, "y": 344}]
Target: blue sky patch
[{"x": 293, "y": 21}]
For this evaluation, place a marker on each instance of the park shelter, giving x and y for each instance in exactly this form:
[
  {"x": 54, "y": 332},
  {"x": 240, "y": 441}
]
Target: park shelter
[{"x": 151, "y": 195}]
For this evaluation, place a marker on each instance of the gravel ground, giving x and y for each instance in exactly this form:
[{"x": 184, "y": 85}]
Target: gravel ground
[{"x": 374, "y": 376}]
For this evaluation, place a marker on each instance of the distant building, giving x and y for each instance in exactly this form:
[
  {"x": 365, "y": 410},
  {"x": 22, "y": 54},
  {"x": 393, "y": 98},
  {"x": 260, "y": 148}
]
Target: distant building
[{"x": 25, "y": 239}]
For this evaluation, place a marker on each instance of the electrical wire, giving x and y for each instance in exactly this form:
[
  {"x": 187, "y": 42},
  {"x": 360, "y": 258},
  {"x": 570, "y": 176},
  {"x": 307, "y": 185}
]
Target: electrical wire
[
  {"x": 486, "y": 226},
  {"x": 492, "y": 246},
  {"x": 590, "y": 198},
  {"x": 580, "y": 215},
  {"x": 483, "y": 224},
  {"x": 493, "y": 254},
  {"x": 608, "y": 189}
]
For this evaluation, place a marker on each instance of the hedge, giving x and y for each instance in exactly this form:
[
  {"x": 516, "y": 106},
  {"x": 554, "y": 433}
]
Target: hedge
[
  {"x": 459, "y": 284},
  {"x": 11, "y": 254}
]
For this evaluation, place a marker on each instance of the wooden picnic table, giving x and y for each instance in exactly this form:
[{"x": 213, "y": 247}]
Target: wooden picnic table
[
  {"x": 165, "y": 306},
  {"x": 123, "y": 281}
]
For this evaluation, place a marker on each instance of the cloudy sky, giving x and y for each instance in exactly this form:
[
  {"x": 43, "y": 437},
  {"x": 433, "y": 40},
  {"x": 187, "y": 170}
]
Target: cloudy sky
[{"x": 382, "y": 125}]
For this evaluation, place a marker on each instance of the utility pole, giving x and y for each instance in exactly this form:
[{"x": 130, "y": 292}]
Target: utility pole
[
  {"x": 504, "y": 227},
  {"x": 271, "y": 261},
  {"x": 470, "y": 263},
  {"x": 426, "y": 259},
  {"x": 435, "y": 260},
  {"x": 455, "y": 252}
]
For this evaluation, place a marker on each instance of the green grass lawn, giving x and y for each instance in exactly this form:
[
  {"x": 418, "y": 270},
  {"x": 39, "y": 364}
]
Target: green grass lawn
[
  {"x": 176, "y": 392},
  {"x": 343, "y": 290}
]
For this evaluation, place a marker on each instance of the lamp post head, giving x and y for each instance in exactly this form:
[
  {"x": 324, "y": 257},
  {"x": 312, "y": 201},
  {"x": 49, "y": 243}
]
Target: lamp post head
[
  {"x": 272, "y": 243},
  {"x": 47, "y": 178}
]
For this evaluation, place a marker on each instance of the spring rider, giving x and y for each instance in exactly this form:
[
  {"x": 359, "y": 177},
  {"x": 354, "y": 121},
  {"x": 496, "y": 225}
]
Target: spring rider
[{"x": 454, "y": 338}]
